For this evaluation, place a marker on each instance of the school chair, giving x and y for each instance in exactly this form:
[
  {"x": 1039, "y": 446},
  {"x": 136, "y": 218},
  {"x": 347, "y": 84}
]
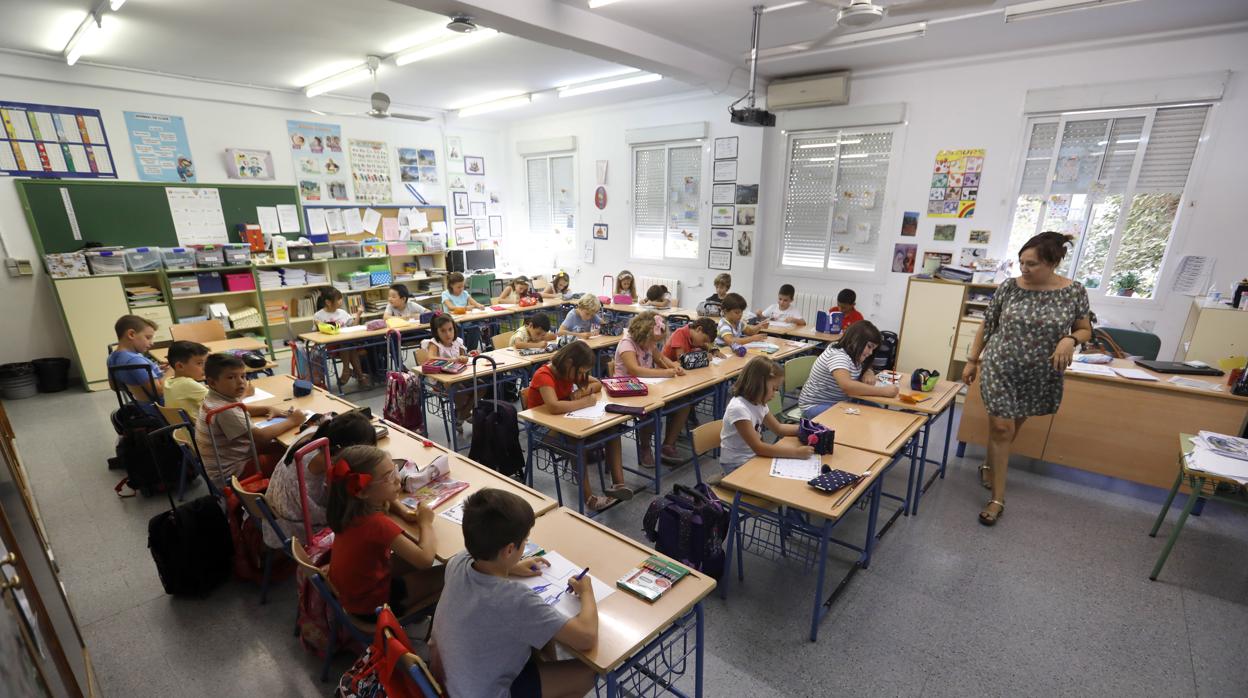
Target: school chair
[
  {"x": 677, "y": 321},
  {"x": 502, "y": 341},
  {"x": 206, "y": 331},
  {"x": 1129, "y": 342},
  {"x": 796, "y": 373},
  {"x": 421, "y": 674},
  {"x": 258, "y": 508},
  {"x": 479, "y": 287},
  {"x": 190, "y": 450},
  {"x": 130, "y": 392}
]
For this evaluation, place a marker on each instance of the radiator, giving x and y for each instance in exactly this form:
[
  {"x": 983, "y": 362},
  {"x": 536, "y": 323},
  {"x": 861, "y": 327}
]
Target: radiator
[
  {"x": 809, "y": 304},
  {"x": 645, "y": 282}
]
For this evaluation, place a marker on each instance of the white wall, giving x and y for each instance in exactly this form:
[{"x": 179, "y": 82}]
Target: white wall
[
  {"x": 600, "y": 136},
  {"x": 217, "y": 117},
  {"x": 979, "y": 104}
]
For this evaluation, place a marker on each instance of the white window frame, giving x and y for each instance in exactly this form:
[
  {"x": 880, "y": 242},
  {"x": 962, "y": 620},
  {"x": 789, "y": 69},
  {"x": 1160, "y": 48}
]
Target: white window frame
[
  {"x": 1101, "y": 295},
  {"x": 883, "y": 252},
  {"x": 704, "y": 187},
  {"x": 550, "y": 192}
]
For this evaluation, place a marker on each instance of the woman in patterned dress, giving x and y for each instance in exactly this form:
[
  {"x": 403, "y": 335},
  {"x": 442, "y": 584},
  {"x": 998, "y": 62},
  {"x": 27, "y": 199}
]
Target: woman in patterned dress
[{"x": 1023, "y": 347}]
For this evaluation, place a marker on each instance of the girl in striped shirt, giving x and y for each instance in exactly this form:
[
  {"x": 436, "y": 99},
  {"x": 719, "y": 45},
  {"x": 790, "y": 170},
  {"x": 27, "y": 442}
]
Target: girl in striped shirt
[{"x": 843, "y": 371}]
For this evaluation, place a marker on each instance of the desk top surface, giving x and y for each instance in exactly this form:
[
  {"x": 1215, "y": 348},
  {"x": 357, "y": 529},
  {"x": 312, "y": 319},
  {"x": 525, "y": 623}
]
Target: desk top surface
[
  {"x": 282, "y": 390},
  {"x": 506, "y": 360},
  {"x": 583, "y": 428},
  {"x": 234, "y": 344},
  {"x": 941, "y": 396},
  {"x": 755, "y": 478},
  {"x": 1217, "y": 384},
  {"x": 873, "y": 429},
  {"x": 803, "y": 332},
  {"x": 733, "y": 364},
  {"x": 323, "y": 338}
]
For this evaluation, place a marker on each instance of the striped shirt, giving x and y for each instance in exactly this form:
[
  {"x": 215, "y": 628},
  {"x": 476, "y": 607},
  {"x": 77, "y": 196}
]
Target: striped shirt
[
  {"x": 821, "y": 388},
  {"x": 724, "y": 327}
]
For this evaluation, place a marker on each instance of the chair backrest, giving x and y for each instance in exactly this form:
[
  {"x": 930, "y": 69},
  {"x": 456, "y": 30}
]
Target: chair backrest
[
  {"x": 361, "y": 631},
  {"x": 258, "y": 507},
  {"x": 706, "y": 436},
  {"x": 174, "y": 415},
  {"x": 502, "y": 341},
  {"x": 206, "y": 331},
  {"x": 776, "y": 404},
  {"x": 480, "y": 282},
  {"x": 797, "y": 372},
  {"x": 300, "y": 555},
  {"x": 420, "y": 673},
  {"x": 1142, "y": 344}
]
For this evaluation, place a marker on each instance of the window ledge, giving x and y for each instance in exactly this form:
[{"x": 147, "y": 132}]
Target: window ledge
[{"x": 1125, "y": 301}]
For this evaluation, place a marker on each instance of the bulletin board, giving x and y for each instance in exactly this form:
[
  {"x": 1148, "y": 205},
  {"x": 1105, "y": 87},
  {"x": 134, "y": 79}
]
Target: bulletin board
[{"x": 388, "y": 211}]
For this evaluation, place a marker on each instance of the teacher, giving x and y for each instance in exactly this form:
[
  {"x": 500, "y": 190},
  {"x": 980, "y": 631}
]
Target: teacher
[{"x": 1023, "y": 347}]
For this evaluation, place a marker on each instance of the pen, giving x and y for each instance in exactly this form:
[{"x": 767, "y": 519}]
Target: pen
[{"x": 580, "y": 576}]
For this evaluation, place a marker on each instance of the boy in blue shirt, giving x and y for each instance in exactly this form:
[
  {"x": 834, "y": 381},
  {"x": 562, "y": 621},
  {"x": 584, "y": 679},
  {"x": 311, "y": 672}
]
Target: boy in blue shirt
[
  {"x": 135, "y": 337},
  {"x": 583, "y": 321}
]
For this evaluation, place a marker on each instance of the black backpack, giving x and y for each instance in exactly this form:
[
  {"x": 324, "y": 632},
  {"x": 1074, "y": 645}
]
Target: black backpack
[
  {"x": 496, "y": 430},
  {"x": 689, "y": 525},
  {"x": 149, "y": 459},
  {"x": 885, "y": 356}
]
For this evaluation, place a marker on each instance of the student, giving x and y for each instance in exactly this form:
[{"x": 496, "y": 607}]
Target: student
[
  {"x": 347, "y": 429},
  {"x": 227, "y": 384},
  {"x": 732, "y": 330},
  {"x": 638, "y": 354},
  {"x": 741, "y": 436},
  {"x": 447, "y": 344},
  {"x": 697, "y": 335},
  {"x": 712, "y": 306},
  {"x": 657, "y": 296},
  {"x": 363, "y": 487},
  {"x": 843, "y": 371},
  {"x": 845, "y": 301},
  {"x": 135, "y": 336},
  {"x": 518, "y": 289},
  {"x": 782, "y": 310},
  {"x": 330, "y": 302},
  {"x": 625, "y": 285},
  {"x": 487, "y": 626},
  {"x": 455, "y": 296},
  {"x": 583, "y": 321},
  {"x": 185, "y": 389},
  {"x": 559, "y": 285},
  {"x": 401, "y": 304},
  {"x": 565, "y": 385},
  {"x": 535, "y": 333}
]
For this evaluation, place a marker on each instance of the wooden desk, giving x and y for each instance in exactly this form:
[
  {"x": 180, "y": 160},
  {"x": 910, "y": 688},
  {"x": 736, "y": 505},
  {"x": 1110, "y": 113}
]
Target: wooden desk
[
  {"x": 874, "y": 429},
  {"x": 1116, "y": 426},
  {"x": 283, "y": 391},
  {"x": 321, "y": 346},
  {"x": 637, "y": 309},
  {"x": 626, "y": 624},
  {"x": 806, "y": 332},
  {"x": 161, "y": 354},
  {"x": 733, "y": 364},
  {"x": 602, "y": 341},
  {"x": 448, "y": 385},
  {"x": 322, "y": 339},
  {"x": 584, "y": 428},
  {"x": 941, "y": 400}
]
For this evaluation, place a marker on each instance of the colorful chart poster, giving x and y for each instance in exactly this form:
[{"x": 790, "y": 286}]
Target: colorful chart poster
[
  {"x": 955, "y": 183},
  {"x": 161, "y": 151},
  {"x": 370, "y": 171},
  {"x": 42, "y": 140},
  {"x": 320, "y": 164}
]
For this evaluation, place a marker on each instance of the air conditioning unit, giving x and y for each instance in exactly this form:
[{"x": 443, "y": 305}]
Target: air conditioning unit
[{"x": 827, "y": 90}]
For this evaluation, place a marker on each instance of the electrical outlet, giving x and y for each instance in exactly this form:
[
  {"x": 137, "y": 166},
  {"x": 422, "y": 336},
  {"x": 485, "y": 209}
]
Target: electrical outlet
[{"x": 19, "y": 267}]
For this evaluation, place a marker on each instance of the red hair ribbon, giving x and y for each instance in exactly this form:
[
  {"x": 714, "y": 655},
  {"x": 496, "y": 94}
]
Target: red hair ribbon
[{"x": 356, "y": 482}]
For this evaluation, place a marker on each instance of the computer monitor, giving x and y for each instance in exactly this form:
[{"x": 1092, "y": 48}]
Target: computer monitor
[
  {"x": 478, "y": 259},
  {"x": 455, "y": 261}
]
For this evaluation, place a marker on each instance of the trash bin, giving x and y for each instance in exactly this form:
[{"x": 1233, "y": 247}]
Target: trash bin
[
  {"x": 52, "y": 374},
  {"x": 17, "y": 381}
]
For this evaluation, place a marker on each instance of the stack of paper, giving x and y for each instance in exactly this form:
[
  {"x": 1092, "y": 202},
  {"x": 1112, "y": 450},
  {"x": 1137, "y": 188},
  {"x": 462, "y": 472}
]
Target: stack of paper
[
  {"x": 143, "y": 296},
  {"x": 275, "y": 311},
  {"x": 1091, "y": 370},
  {"x": 294, "y": 276},
  {"x": 269, "y": 278},
  {"x": 1221, "y": 455},
  {"x": 183, "y": 285},
  {"x": 316, "y": 278}
]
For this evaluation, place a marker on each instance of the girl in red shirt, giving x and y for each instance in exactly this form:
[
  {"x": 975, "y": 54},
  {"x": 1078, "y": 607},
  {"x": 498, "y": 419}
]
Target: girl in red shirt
[
  {"x": 557, "y": 385},
  {"x": 363, "y": 488}
]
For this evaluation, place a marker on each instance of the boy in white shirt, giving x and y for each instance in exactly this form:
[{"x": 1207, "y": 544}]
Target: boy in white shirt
[{"x": 782, "y": 310}]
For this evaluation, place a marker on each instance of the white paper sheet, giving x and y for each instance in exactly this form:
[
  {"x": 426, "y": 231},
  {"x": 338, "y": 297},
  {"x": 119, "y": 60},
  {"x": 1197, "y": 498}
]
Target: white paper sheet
[
  {"x": 456, "y": 513},
  {"x": 352, "y": 329},
  {"x": 197, "y": 215},
  {"x": 1135, "y": 374},
  {"x": 794, "y": 469},
  {"x": 780, "y": 325},
  {"x": 351, "y": 219},
  {"x": 553, "y": 583},
  {"x": 594, "y": 411},
  {"x": 1192, "y": 383},
  {"x": 760, "y": 345},
  {"x": 316, "y": 222},
  {"x": 288, "y": 218},
  {"x": 372, "y": 218},
  {"x": 333, "y": 220},
  {"x": 258, "y": 396},
  {"x": 267, "y": 216},
  {"x": 652, "y": 380},
  {"x": 1207, "y": 461},
  {"x": 1091, "y": 370}
]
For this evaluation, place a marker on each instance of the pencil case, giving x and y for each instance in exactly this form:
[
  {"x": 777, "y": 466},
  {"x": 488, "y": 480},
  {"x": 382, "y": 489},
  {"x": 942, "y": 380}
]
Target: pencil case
[
  {"x": 830, "y": 480},
  {"x": 624, "y": 386},
  {"x": 624, "y": 409}
]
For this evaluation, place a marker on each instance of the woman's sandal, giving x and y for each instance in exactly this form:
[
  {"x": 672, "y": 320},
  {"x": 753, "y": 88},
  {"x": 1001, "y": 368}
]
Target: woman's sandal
[
  {"x": 987, "y": 517},
  {"x": 985, "y": 476},
  {"x": 598, "y": 503}
]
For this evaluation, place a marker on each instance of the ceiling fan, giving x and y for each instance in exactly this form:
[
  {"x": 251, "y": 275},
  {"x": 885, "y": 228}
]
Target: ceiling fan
[
  {"x": 379, "y": 102},
  {"x": 859, "y": 14}
]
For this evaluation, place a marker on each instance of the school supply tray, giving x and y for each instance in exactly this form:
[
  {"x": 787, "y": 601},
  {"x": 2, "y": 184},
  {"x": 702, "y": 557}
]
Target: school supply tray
[{"x": 624, "y": 386}]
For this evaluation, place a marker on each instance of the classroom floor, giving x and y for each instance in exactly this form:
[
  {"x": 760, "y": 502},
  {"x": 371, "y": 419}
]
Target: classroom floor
[{"x": 1054, "y": 600}]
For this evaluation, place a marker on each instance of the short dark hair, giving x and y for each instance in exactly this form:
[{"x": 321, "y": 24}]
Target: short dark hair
[
  {"x": 705, "y": 324},
  {"x": 125, "y": 323},
  {"x": 856, "y": 338},
  {"x": 656, "y": 292},
  {"x": 752, "y": 383},
  {"x": 401, "y": 289},
  {"x": 1050, "y": 246},
  {"x": 539, "y": 320},
  {"x": 847, "y": 295},
  {"x": 454, "y": 278},
  {"x": 787, "y": 290},
  {"x": 492, "y": 519},
  {"x": 347, "y": 429},
  {"x": 221, "y": 362},
  {"x": 182, "y": 351},
  {"x": 733, "y": 301},
  {"x": 329, "y": 293}
]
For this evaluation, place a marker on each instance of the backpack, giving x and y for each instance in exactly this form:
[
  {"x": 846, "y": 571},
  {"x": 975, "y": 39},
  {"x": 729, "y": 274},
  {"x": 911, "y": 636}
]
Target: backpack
[
  {"x": 314, "y": 617},
  {"x": 689, "y": 525},
  {"x": 885, "y": 357},
  {"x": 149, "y": 459},
  {"x": 711, "y": 308},
  {"x": 404, "y": 401},
  {"x": 495, "y": 430},
  {"x": 248, "y": 538}
]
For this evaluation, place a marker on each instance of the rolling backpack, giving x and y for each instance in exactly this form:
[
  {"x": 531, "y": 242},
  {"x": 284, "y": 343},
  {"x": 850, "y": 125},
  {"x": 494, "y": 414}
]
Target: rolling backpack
[
  {"x": 689, "y": 525},
  {"x": 495, "y": 430},
  {"x": 148, "y": 454}
]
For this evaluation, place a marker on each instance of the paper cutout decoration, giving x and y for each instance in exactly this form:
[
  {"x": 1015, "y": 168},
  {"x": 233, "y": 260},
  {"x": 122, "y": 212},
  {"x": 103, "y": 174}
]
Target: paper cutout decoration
[{"x": 955, "y": 183}]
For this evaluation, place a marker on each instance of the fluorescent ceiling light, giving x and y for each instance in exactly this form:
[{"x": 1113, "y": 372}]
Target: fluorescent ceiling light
[
  {"x": 1044, "y": 8},
  {"x": 496, "y": 105},
  {"x": 115, "y": 5},
  {"x": 347, "y": 77},
  {"x": 595, "y": 4},
  {"x": 85, "y": 39},
  {"x": 453, "y": 42},
  {"x": 609, "y": 84},
  {"x": 785, "y": 6}
]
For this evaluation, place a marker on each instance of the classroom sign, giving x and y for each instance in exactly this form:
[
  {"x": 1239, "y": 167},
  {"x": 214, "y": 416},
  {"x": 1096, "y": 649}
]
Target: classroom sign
[
  {"x": 161, "y": 150},
  {"x": 955, "y": 183},
  {"x": 42, "y": 140}
]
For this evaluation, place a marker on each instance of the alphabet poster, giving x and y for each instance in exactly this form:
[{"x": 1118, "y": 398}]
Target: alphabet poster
[
  {"x": 955, "y": 183},
  {"x": 370, "y": 171}
]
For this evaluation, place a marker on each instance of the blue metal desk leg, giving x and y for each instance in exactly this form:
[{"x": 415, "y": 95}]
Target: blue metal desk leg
[
  {"x": 528, "y": 460},
  {"x": 918, "y": 483},
  {"x": 697, "y": 662},
  {"x": 944, "y": 456},
  {"x": 823, "y": 566},
  {"x": 658, "y": 448},
  {"x": 873, "y": 517},
  {"x": 580, "y": 469},
  {"x": 734, "y": 520}
]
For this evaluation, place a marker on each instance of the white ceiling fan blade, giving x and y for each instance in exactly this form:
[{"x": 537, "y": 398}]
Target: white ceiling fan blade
[
  {"x": 823, "y": 40},
  {"x": 409, "y": 117},
  {"x": 930, "y": 6}
]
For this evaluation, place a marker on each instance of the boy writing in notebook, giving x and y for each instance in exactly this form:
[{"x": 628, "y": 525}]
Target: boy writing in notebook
[
  {"x": 488, "y": 626},
  {"x": 135, "y": 336},
  {"x": 782, "y": 310}
]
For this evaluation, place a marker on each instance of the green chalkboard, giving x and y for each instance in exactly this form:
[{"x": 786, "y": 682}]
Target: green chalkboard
[{"x": 131, "y": 214}]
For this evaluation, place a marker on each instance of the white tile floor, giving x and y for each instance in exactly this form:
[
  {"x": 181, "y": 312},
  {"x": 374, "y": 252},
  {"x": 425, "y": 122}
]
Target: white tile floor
[{"x": 1055, "y": 600}]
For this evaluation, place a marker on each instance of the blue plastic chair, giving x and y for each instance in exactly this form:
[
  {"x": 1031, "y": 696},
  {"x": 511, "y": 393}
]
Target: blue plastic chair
[{"x": 258, "y": 507}]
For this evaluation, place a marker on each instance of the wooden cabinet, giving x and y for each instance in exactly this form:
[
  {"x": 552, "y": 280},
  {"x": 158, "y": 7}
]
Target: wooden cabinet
[
  {"x": 939, "y": 324},
  {"x": 1213, "y": 333},
  {"x": 91, "y": 306}
]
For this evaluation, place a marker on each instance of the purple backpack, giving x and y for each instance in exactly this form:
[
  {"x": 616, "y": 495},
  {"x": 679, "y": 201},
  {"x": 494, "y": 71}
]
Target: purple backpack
[{"x": 690, "y": 525}]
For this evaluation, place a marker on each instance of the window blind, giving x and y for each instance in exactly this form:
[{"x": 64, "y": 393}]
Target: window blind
[
  {"x": 1171, "y": 147},
  {"x": 563, "y": 193},
  {"x": 538, "y": 178},
  {"x": 649, "y": 210},
  {"x": 808, "y": 200},
  {"x": 684, "y": 186}
]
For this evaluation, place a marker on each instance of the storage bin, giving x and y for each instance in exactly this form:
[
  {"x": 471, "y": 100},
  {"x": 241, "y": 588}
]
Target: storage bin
[
  {"x": 398, "y": 249},
  {"x": 347, "y": 250},
  {"x": 209, "y": 282},
  {"x": 239, "y": 281},
  {"x": 209, "y": 256},
  {"x": 66, "y": 265},
  {"x": 300, "y": 253},
  {"x": 178, "y": 257},
  {"x": 143, "y": 258},
  {"x": 322, "y": 250},
  {"x": 380, "y": 278},
  {"x": 237, "y": 254},
  {"x": 373, "y": 248},
  {"x": 106, "y": 262}
]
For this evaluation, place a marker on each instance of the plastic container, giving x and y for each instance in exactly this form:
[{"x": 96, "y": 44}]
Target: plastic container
[
  {"x": 373, "y": 248},
  {"x": 239, "y": 281},
  {"x": 380, "y": 278},
  {"x": 209, "y": 282},
  {"x": 18, "y": 381},
  {"x": 344, "y": 250},
  {"x": 236, "y": 254},
  {"x": 209, "y": 256},
  {"x": 322, "y": 250},
  {"x": 66, "y": 265},
  {"x": 143, "y": 258},
  {"x": 52, "y": 374},
  {"x": 106, "y": 262},
  {"x": 178, "y": 257},
  {"x": 300, "y": 253}
]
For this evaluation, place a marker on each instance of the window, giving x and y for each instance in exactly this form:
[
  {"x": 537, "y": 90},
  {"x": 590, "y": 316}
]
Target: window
[
  {"x": 552, "y": 196},
  {"x": 1114, "y": 180},
  {"x": 667, "y": 200},
  {"x": 831, "y": 213}
]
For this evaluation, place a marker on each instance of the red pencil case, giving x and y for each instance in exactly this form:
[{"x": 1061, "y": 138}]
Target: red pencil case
[
  {"x": 442, "y": 366},
  {"x": 624, "y": 386}
]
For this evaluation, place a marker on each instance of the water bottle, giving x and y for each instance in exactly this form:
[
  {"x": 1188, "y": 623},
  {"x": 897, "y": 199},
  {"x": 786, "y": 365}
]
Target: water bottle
[
  {"x": 1214, "y": 297},
  {"x": 835, "y": 319}
]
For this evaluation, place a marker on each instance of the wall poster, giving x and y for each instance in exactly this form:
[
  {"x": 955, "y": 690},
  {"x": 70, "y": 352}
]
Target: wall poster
[
  {"x": 161, "y": 150},
  {"x": 955, "y": 183},
  {"x": 319, "y": 161}
]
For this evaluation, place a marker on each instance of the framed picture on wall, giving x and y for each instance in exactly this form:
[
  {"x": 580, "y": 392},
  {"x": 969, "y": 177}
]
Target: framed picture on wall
[
  {"x": 496, "y": 227},
  {"x": 720, "y": 259},
  {"x": 600, "y": 231},
  {"x": 722, "y": 193},
  {"x": 476, "y": 209},
  {"x": 721, "y": 238},
  {"x": 474, "y": 165},
  {"x": 460, "y": 199},
  {"x": 726, "y": 148},
  {"x": 723, "y": 215},
  {"x": 725, "y": 171}
]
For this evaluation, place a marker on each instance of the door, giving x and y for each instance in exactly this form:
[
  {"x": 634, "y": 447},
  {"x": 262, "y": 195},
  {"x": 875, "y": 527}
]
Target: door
[
  {"x": 91, "y": 306},
  {"x": 929, "y": 325}
]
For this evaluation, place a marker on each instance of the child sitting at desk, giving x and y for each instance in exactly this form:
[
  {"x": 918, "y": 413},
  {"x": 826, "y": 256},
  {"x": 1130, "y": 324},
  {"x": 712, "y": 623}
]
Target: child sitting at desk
[
  {"x": 637, "y": 355},
  {"x": 583, "y": 321},
  {"x": 695, "y": 336},
  {"x": 331, "y": 312},
  {"x": 741, "y": 436},
  {"x": 657, "y": 296},
  {"x": 559, "y": 285},
  {"x": 401, "y": 305},
  {"x": 732, "y": 330},
  {"x": 185, "y": 390},
  {"x": 534, "y": 334},
  {"x": 519, "y": 288},
  {"x": 363, "y": 488},
  {"x": 447, "y": 344},
  {"x": 843, "y": 371},
  {"x": 713, "y": 305},
  {"x": 135, "y": 336},
  {"x": 564, "y": 385},
  {"x": 227, "y": 384},
  {"x": 782, "y": 310},
  {"x": 455, "y": 296},
  {"x": 487, "y": 626},
  {"x": 625, "y": 285},
  {"x": 845, "y": 301}
]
